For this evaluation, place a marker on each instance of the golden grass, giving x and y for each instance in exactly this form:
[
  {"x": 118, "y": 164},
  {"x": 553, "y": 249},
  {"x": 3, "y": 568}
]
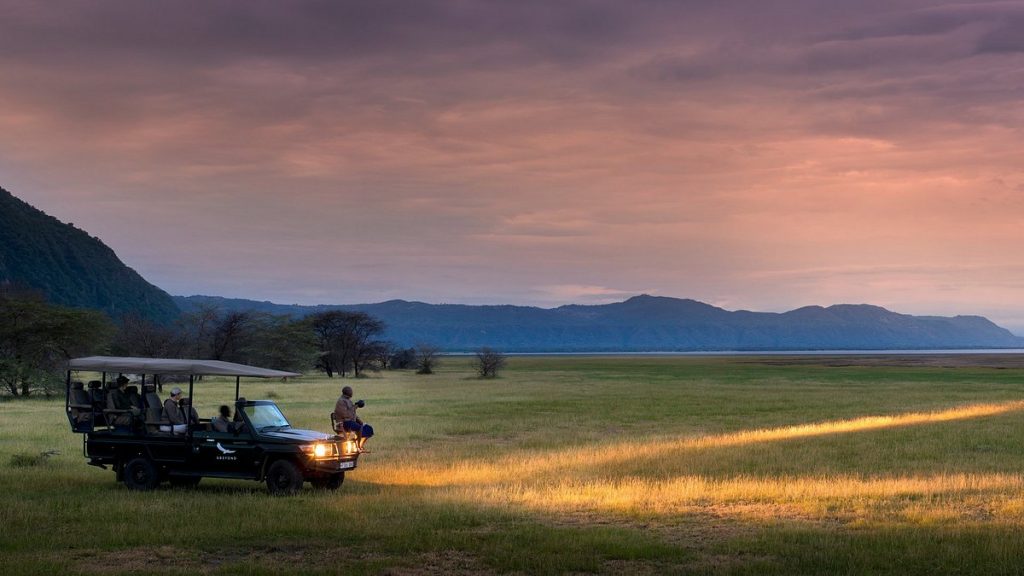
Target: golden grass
[
  {"x": 566, "y": 461},
  {"x": 558, "y": 483},
  {"x": 936, "y": 498},
  {"x": 726, "y": 467}
]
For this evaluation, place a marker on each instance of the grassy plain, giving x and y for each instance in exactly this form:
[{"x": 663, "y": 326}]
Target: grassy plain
[{"x": 654, "y": 465}]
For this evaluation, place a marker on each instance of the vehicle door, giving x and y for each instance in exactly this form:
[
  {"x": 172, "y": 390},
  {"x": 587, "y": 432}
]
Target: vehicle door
[{"x": 226, "y": 452}]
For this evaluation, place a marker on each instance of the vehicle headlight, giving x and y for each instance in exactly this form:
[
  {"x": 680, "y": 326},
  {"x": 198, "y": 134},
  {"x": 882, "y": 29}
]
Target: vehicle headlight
[
  {"x": 350, "y": 447},
  {"x": 317, "y": 450}
]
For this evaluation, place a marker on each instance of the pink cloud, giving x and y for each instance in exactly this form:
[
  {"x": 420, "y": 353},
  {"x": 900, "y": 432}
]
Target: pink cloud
[{"x": 531, "y": 152}]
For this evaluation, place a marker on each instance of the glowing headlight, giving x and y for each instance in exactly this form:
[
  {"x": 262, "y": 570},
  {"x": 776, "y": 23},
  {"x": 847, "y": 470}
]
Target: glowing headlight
[
  {"x": 320, "y": 450},
  {"x": 350, "y": 447}
]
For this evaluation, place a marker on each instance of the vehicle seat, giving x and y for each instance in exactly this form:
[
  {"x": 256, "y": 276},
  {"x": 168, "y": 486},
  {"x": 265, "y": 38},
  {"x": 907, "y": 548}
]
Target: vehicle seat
[
  {"x": 192, "y": 416},
  {"x": 81, "y": 407},
  {"x": 98, "y": 397},
  {"x": 154, "y": 411},
  {"x": 133, "y": 396}
]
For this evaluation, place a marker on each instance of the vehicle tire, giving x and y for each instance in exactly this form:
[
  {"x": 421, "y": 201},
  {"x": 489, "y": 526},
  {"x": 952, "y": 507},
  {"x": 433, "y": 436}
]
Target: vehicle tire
[
  {"x": 283, "y": 478},
  {"x": 332, "y": 482},
  {"x": 184, "y": 481},
  {"x": 141, "y": 474}
]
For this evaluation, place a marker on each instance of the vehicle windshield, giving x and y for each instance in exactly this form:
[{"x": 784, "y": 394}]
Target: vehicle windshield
[{"x": 266, "y": 417}]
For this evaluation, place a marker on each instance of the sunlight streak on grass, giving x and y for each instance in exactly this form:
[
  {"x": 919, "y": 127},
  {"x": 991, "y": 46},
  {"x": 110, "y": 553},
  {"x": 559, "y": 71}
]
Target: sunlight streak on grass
[
  {"x": 933, "y": 498},
  {"x": 530, "y": 463}
]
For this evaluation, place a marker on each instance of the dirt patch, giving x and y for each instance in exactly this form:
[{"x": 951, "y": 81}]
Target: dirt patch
[
  {"x": 442, "y": 562},
  {"x": 169, "y": 559},
  {"x": 274, "y": 555},
  {"x": 283, "y": 558},
  {"x": 139, "y": 559}
]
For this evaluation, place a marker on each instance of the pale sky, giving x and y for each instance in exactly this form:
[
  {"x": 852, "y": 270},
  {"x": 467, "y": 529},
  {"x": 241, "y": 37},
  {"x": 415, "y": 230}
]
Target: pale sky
[{"x": 749, "y": 154}]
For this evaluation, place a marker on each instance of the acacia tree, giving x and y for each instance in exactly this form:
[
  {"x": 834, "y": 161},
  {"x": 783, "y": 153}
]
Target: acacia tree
[
  {"x": 37, "y": 338},
  {"x": 345, "y": 340},
  {"x": 327, "y": 329},
  {"x": 384, "y": 352},
  {"x": 487, "y": 362},
  {"x": 402, "y": 359},
  {"x": 230, "y": 335},
  {"x": 280, "y": 343},
  {"x": 427, "y": 358},
  {"x": 137, "y": 336},
  {"x": 359, "y": 340},
  {"x": 198, "y": 326}
]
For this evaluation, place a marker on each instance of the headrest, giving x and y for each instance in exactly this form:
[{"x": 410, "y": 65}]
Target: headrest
[
  {"x": 95, "y": 384},
  {"x": 112, "y": 385},
  {"x": 131, "y": 389},
  {"x": 149, "y": 388},
  {"x": 76, "y": 386}
]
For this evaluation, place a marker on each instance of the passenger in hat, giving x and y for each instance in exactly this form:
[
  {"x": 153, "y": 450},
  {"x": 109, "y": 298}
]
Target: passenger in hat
[
  {"x": 119, "y": 402},
  {"x": 173, "y": 413}
]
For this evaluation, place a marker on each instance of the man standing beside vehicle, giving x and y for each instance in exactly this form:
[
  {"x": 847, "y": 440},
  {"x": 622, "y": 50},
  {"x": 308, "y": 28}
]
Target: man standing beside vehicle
[{"x": 345, "y": 414}]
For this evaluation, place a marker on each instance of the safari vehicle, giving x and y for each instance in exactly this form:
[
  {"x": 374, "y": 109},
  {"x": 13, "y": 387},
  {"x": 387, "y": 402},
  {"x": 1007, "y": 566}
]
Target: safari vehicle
[{"x": 144, "y": 450}]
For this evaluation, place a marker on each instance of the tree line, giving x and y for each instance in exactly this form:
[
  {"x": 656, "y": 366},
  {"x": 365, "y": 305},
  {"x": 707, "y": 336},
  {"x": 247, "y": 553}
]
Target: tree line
[
  {"x": 37, "y": 338},
  {"x": 336, "y": 342}
]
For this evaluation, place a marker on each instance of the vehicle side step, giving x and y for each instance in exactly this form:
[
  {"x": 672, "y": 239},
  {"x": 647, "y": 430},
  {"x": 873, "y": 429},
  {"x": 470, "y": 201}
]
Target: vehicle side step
[{"x": 230, "y": 475}]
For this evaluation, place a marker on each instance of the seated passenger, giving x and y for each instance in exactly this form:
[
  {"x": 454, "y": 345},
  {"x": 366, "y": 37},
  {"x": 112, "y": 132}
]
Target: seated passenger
[
  {"x": 120, "y": 405},
  {"x": 132, "y": 392},
  {"x": 186, "y": 408},
  {"x": 173, "y": 414},
  {"x": 345, "y": 413},
  {"x": 222, "y": 422}
]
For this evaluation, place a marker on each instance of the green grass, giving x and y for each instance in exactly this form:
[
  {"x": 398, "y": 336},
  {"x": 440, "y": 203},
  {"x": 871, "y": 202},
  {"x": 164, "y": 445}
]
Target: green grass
[{"x": 569, "y": 465}]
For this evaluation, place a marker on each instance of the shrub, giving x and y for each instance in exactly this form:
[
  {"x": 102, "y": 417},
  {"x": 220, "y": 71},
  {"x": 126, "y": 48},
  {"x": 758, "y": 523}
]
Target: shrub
[{"x": 28, "y": 459}]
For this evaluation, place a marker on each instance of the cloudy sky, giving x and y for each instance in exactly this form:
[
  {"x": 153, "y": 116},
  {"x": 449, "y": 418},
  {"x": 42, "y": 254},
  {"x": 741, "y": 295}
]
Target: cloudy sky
[{"x": 750, "y": 154}]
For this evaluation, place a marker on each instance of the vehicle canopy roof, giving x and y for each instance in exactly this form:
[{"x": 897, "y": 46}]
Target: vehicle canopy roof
[{"x": 173, "y": 366}]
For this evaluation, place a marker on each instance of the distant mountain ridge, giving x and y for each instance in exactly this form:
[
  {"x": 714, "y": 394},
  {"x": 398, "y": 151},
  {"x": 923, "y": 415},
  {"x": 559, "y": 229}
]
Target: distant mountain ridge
[
  {"x": 653, "y": 324},
  {"x": 70, "y": 267},
  {"x": 75, "y": 269}
]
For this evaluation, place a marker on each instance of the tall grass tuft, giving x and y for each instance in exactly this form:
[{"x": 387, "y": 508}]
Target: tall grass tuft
[{"x": 31, "y": 459}]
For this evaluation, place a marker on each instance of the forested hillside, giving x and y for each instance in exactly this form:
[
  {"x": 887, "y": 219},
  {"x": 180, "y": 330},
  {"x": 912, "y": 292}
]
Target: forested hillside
[{"x": 70, "y": 267}]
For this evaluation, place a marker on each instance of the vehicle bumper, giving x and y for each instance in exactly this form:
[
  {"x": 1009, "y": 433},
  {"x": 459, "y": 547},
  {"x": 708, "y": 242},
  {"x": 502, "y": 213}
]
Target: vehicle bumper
[{"x": 333, "y": 466}]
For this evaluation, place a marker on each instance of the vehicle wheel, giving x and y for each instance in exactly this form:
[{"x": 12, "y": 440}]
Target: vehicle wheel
[
  {"x": 185, "y": 481},
  {"x": 283, "y": 478},
  {"x": 329, "y": 483},
  {"x": 141, "y": 474}
]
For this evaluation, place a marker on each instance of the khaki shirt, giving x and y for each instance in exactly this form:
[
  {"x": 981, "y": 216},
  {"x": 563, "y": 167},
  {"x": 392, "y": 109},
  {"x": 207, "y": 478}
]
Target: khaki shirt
[
  {"x": 345, "y": 410},
  {"x": 172, "y": 412},
  {"x": 220, "y": 424}
]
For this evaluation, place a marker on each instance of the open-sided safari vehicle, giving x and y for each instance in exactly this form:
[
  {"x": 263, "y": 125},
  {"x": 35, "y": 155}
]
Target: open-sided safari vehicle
[{"x": 144, "y": 449}]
